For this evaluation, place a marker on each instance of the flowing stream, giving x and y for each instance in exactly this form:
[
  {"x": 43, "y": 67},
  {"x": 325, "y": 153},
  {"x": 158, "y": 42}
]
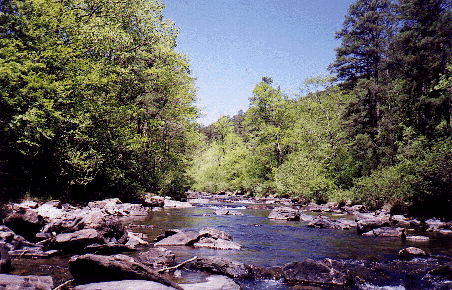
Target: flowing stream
[{"x": 268, "y": 242}]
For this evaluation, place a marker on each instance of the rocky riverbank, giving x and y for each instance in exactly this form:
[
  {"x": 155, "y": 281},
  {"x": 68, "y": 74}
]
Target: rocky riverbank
[{"x": 97, "y": 245}]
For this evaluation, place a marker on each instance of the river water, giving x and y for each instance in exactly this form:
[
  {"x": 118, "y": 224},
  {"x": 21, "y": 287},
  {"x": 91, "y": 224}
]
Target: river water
[{"x": 268, "y": 242}]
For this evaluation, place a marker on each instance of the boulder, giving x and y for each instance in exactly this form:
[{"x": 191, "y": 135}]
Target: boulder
[
  {"x": 25, "y": 222},
  {"x": 441, "y": 233},
  {"x": 215, "y": 282},
  {"x": 324, "y": 222},
  {"x": 326, "y": 272},
  {"x": 222, "y": 266},
  {"x": 91, "y": 268},
  {"x": 284, "y": 213},
  {"x": 411, "y": 252},
  {"x": 214, "y": 233},
  {"x": 157, "y": 258},
  {"x": 135, "y": 240},
  {"x": 366, "y": 225},
  {"x": 5, "y": 259},
  {"x": 179, "y": 239},
  {"x": 125, "y": 284},
  {"x": 15, "y": 282},
  {"x": 77, "y": 241},
  {"x": 384, "y": 232},
  {"x": 218, "y": 244},
  {"x": 433, "y": 224}
]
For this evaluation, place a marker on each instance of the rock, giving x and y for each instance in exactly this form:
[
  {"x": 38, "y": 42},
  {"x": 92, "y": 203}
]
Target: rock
[
  {"x": 157, "y": 258},
  {"x": 214, "y": 233},
  {"x": 125, "y": 284},
  {"x": 384, "y": 232},
  {"x": 77, "y": 241},
  {"x": 355, "y": 209},
  {"x": 169, "y": 203},
  {"x": 411, "y": 252},
  {"x": 433, "y": 224},
  {"x": 225, "y": 211},
  {"x": 153, "y": 201},
  {"x": 324, "y": 222},
  {"x": 284, "y": 213},
  {"x": 218, "y": 244},
  {"x": 134, "y": 240},
  {"x": 267, "y": 273},
  {"x": 222, "y": 266},
  {"x": 328, "y": 272},
  {"x": 51, "y": 210},
  {"x": 91, "y": 268},
  {"x": 306, "y": 217},
  {"x": 11, "y": 240},
  {"x": 15, "y": 282},
  {"x": 366, "y": 225},
  {"x": 25, "y": 222},
  {"x": 108, "y": 249},
  {"x": 215, "y": 282},
  {"x": 5, "y": 259},
  {"x": 179, "y": 239},
  {"x": 400, "y": 221}
]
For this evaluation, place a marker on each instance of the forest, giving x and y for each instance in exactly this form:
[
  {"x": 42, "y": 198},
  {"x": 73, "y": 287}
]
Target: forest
[
  {"x": 375, "y": 131},
  {"x": 96, "y": 102}
]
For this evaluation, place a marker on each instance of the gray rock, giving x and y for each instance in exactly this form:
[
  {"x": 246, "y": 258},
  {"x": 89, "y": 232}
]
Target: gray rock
[
  {"x": 411, "y": 252},
  {"x": 77, "y": 241},
  {"x": 169, "y": 203},
  {"x": 25, "y": 222},
  {"x": 125, "y": 284},
  {"x": 15, "y": 282},
  {"x": 366, "y": 225},
  {"x": 134, "y": 240},
  {"x": 384, "y": 232},
  {"x": 326, "y": 272},
  {"x": 214, "y": 233},
  {"x": 91, "y": 268},
  {"x": 215, "y": 282},
  {"x": 327, "y": 223},
  {"x": 223, "y": 266},
  {"x": 157, "y": 258},
  {"x": 108, "y": 249},
  {"x": 218, "y": 244},
  {"x": 179, "y": 239},
  {"x": 284, "y": 213}
]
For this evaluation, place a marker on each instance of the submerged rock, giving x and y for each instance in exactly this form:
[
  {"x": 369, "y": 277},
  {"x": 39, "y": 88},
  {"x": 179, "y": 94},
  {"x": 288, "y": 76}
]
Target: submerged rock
[{"x": 384, "y": 232}]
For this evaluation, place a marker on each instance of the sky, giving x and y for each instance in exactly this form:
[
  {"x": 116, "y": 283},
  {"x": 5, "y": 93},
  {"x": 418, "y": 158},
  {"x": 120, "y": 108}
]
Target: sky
[{"x": 232, "y": 44}]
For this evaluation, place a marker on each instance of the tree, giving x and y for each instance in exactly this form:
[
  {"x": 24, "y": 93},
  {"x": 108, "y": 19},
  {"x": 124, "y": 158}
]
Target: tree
[{"x": 94, "y": 98}]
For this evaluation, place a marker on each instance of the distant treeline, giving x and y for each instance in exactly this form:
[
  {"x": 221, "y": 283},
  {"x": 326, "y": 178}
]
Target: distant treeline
[{"x": 377, "y": 131}]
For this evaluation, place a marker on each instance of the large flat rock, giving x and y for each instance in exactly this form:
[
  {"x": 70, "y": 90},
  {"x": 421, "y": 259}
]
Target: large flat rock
[{"x": 125, "y": 285}]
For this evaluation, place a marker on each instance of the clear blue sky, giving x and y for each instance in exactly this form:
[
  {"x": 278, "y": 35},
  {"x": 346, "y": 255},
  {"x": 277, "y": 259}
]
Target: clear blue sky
[{"x": 232, "y": 44}]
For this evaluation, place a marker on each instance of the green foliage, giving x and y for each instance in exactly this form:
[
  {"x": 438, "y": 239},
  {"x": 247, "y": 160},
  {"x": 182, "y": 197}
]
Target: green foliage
[{"x": 94, "y": 99}]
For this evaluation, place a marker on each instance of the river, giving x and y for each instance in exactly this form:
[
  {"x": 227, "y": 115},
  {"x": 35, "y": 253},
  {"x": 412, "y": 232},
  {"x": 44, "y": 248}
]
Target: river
[{"x": 268, "y": 242}]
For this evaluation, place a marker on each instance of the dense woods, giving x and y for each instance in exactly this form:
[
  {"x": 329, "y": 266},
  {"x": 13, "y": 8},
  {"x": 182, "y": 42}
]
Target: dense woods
[
  {"x": 95, "y": 102},
  {"x": 377, "y": 131}
]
